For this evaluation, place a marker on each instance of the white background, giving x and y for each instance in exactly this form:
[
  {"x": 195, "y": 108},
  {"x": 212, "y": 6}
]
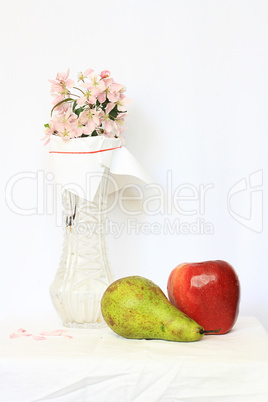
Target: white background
[{"x": 197, "y": 74}]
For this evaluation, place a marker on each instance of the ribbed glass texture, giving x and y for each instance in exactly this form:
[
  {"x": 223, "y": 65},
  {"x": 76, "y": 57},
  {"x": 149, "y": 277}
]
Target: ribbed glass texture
[{"x": 84, "y": 271}]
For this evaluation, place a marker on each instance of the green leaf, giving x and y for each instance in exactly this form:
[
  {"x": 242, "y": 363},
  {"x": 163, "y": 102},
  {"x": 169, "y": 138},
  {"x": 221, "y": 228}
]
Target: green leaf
[
  {"x": 78, "y": 111},
  {"x": 46, "y": 125},
  {"x": 104, "y": 104},
  {"x": 59, "y": 103},
  {"x": 94, "y": 134},
  {"x": 113, "y": 113},
  {"x": 74, "y": 106},
  {"x": 84, "y": 135}
]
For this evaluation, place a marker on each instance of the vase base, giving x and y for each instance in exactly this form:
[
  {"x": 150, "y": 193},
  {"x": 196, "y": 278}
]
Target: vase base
[{"x": 85, "y": 325}]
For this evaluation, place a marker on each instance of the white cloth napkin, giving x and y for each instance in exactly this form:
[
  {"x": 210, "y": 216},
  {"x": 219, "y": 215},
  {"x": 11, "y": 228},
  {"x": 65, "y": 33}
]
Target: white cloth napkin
[{"x": 79, "y": 164}]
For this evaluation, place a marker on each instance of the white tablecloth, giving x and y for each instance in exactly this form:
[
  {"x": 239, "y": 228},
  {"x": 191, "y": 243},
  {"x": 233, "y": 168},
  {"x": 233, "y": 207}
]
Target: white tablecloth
[{"x": 98, "y": 365}]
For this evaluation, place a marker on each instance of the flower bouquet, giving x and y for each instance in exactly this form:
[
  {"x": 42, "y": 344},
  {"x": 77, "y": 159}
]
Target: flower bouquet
[
  {"x": 84, "y": 133},
  {"x": 95, "y": 106}
]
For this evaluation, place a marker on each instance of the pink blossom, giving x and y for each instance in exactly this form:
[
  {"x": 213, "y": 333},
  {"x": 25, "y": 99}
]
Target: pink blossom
[
  {"x": 94, "y": 85},
  {"x": 116, "y": 87},
  {"x": 63, "y": 76},
  {"x": 68, "y": 131},
  {"x": 57, "y": 98},
  {"x": 83, "y": 76},
  {"x": 97, "y": 96},
  {"x": 105, "y": 74},
  {"x": 112, "y": 90},
  {"x": 89, "y": 114},
  {"x": 113, "y": 96},
  {"x": 101, "y": 97},
  {"x": 90, "y": 97},
  {"x": 62, "y": 108},
  {"x": 65, "y": 124},
  {"x": 62, "y": 80},
  {"x": 108, "y": 125},
  {"x": 88, "y": 121},
  {"x": 60, "y": 86},
  {"x": 122, "y": 138},
  {"x": 108, "y": 82},
  {"x": 86, "y": 128},
  {"x": 120, "y": 120},
  {"x": 95, "y": 82},
  {"x": 49, "y": 131},
  {"x": 88, "y": 71},
  {"x": 89, "y": 127},
  {"x": 105, "y": 91},
  {"x": 109, "y": 107},
  {"x": 122, "y": 102}
]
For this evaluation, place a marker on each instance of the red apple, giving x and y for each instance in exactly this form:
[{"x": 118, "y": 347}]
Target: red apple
[{"x": 208, "y": 292}]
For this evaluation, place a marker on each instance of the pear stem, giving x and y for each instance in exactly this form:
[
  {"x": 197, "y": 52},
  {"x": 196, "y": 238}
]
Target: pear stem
[{"x": 202, "y": 331}]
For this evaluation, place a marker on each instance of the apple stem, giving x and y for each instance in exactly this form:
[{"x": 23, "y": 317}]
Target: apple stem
[{"x": 202, "y": 331}]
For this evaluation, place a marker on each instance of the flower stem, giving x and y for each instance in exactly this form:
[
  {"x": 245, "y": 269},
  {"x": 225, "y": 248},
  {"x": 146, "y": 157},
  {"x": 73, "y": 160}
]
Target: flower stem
[{"x": 79, "y": 90}]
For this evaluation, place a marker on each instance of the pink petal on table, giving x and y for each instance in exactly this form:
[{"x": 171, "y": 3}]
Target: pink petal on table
[
  {"x": 38, "y": 338},
  {"x": 57, "y": 332},
  {"x": 18, "y": 335},
  {"x": 22, "y": 330},
  {"x": 45, "y": 333},
  {"x": 68, "y": 336},
  {"x": 13, "y": 335}
]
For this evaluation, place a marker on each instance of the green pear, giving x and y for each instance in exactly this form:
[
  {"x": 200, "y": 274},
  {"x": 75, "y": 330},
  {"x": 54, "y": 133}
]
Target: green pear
[{"x": 134, "y": 307}]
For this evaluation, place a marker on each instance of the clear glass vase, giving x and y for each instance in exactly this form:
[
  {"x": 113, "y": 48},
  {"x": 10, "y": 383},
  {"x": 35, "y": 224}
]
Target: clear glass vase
[{"x": 84, "y": 271}]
